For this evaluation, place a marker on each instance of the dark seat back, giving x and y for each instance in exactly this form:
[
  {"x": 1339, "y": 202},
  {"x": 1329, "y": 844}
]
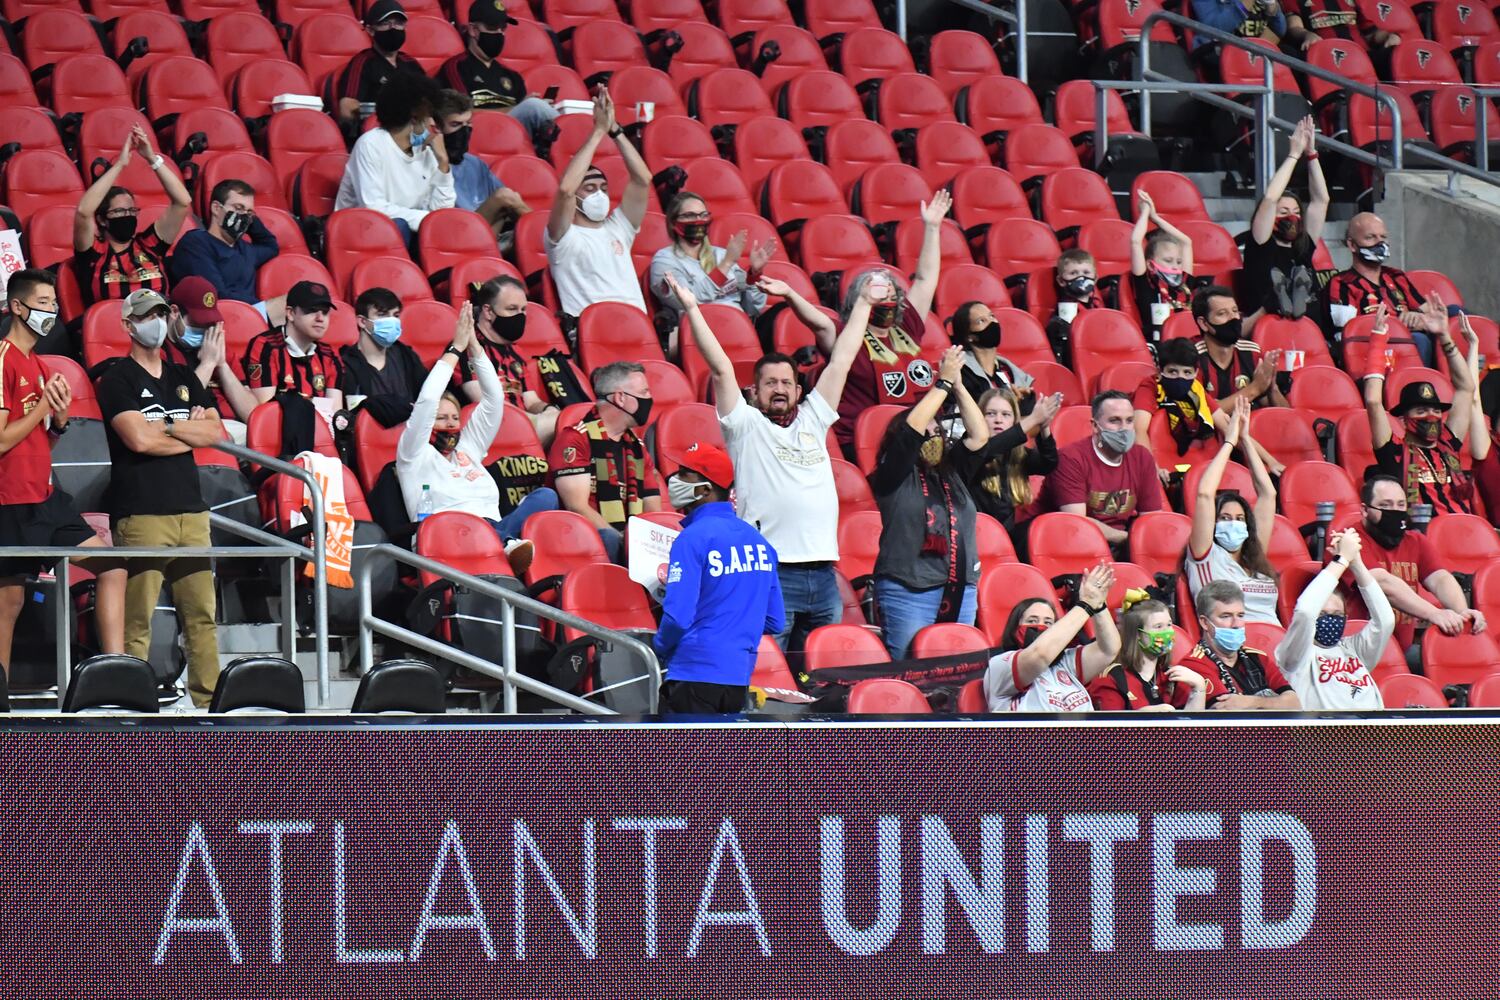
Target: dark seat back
[
  {"x": 267, "y": 682},
  {"x": 112, "y": 680},
  {"x": 402, "y": 686}
]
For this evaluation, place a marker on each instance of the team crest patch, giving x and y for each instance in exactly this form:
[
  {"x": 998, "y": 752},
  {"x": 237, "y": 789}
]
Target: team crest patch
[
  {"x": 1463, "y": 103},
  {"x": 320, "y": 383},
  {"x": 1423, "y": 56},
  {"x": 1464, "y": 12},
  {"x": 182, "y": 393},
  {"x": 209, "y": 298},
  {"x": 1241, "y": 381},
  {"x": 895, "y": 384},
  {"x": 252, "y": 370},
  {"x": 570, "y": 455},
  {"x": 920, "y": 373},
  {"x": 1384, "y": 10},
  {"x": 1338, "y": 57}
]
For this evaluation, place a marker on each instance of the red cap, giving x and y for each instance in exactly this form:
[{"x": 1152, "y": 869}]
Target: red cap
[
  {"x": 711, "y": 462},
  {"x": 197, "y": 299}
]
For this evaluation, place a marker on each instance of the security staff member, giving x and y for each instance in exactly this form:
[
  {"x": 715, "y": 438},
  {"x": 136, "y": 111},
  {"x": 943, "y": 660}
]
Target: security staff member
[{"x": 722, "y": 592}]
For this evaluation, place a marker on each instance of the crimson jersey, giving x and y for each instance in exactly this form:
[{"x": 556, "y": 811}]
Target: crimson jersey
[{"x": 25, "y": 470}]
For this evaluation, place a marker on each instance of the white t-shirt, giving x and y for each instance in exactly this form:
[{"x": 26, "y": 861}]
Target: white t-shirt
[
  {"x": 1261, "y": 592},
  {"x": 1058, "y": 689},
  {"x": 783, "y": 479},
  {"x": 594, "y": 265},
  {"x": 381, "y": 176}
]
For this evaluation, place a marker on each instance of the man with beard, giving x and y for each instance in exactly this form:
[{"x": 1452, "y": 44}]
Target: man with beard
[
  {"x": 783, "y": 474},
  {"x": 1400, "y": 560}
]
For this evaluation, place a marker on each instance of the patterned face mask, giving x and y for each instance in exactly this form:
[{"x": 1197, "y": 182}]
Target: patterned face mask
[{"x": 1329, "y": 629}]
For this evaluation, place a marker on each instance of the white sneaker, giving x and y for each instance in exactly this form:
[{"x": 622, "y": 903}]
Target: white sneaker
[{"x": 519, "y": 551}]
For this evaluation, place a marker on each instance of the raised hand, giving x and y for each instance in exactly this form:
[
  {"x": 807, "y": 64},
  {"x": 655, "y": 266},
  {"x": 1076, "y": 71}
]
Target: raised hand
[
  {"x": 1145, "y": 207},
  {"x": 1346, "y": 545},
  {"x": 1382, "y": 319},
  {"x": 1237, "y": 422},
  {"x": 1094, "y": 590},
  {"x": 1047, "y": 407},
  {"x": 934, "y": 211},
  {"x": 123, "y": 160},
  {"x": 951, "y": 366},
  {"x": 604, "y": 110},
  {"x": 142, "y": 143},
  {"x": 735, "y": 248},
  {"x": 463, "y": 333},
  {"x": 761, "y": 254},
  {"x": 1299, "y": 141},
  {"x": 773, "y": 286},
  {"x": 687, "y": 298},
  {"x": 211, "y": 351}
]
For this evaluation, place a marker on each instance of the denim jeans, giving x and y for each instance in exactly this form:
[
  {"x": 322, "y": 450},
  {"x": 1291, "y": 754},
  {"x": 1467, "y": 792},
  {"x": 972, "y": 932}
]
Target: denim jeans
[
  {"x": 1423, "y": 340},
  {"x": 905, "y": 612},
  {"x": 511, "y": 525},
  {"x": 534, "y": 113},
  {"x": 408, "y": 234},
  {"x": 614, "y": 544},
  {"x": 810, "y": 595}
]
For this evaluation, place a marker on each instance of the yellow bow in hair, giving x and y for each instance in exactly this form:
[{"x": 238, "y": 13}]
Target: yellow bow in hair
[{"x": 1133, "y": 597}]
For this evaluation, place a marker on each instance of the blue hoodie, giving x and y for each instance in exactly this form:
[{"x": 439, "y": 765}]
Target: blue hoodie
[{"x": 722, "y": 595}]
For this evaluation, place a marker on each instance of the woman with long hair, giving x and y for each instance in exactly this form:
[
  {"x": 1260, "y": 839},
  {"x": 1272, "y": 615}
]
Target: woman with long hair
[
  {"x": 1039, "y": 669},
  {"x": 928, "y": 568},
  {"x": 713, "y": 274},
  {"x": 1002, "y": 483},
  {"x": 1228, "y": 540},
  {"x": 1142, "y": 679}
]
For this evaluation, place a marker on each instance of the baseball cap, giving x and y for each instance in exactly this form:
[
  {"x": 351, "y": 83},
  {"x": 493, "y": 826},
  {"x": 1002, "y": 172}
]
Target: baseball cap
[
  {"x": 490, "y": 13},
  {"x": 141, "y": 301},
  {"x": 382, "y": 10},
  {"x": 711, "y": 462},
  {"x": 198, "y": 300},
  {"x": 309, "y": 296}
]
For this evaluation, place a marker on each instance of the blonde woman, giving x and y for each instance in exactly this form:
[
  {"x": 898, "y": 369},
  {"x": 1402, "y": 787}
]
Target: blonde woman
[
  {"x": 713, "y": 274},
  {"x": 1002, "y": 483}
]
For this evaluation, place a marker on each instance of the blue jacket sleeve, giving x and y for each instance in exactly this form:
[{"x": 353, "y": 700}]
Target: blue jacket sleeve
[
  {"x": 775, "y": 607},
  {"x": 680, "y": 602},
  {"x": 191, "y": 258},
  {"x": 1225, "y": 15},
  {"x": 263, "y": 243}
]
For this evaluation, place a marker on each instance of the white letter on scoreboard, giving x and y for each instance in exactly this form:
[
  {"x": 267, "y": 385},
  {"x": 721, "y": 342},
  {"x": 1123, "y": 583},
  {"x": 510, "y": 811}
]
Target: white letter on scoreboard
[
  {"x": 586, "y": 932},
  {"x": 943, "y": 866},
  {"x": 1255, "y": 829},
  {"x": 728, "y": 839},
  {"x": 1038, "y": 890},
  {"x": 648, "y": 826},
  {"x": 1102, "y": 830},
  {"x": 276, "y": 831},
  {"x": 453, "y": 844},
  {"x": 342, "y": 952},
  {"x": 197, "y": 847},
  {"x": 1170, "y": 881},
  {"x": 878, "y": 935}
]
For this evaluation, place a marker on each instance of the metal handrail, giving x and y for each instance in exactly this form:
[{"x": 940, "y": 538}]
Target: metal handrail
[
  {"x": 1482, "y": 126},
  {"x": 1016, "y": 20},
  {"x": 509, "y": 677}
]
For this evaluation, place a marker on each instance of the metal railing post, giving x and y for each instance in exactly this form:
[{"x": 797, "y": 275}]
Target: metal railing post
[
  {"x": 289, "y": 609},
  {"x": 901, "y": 19},
  {"x": 1101, "y": 125},
  {"x": 1482, "y": 133},
  {"x": 64, "y": 617},
  {"x": 508, "y": 655},
  {"x": 1023, "y": 43},
  {"x": 366, "y": 611},
  {"x": 1143, "y": 63}
]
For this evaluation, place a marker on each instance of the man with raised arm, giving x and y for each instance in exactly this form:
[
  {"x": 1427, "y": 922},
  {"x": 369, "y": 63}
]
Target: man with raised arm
[{"x": 783, "y": 474}]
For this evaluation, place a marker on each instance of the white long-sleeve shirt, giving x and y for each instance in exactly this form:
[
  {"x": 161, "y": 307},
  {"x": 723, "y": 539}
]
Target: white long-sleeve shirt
[
  {"x": 382, "y": 176},
  {"x": 458, "y": 481},
  {"x": 1335, "y": 677}
]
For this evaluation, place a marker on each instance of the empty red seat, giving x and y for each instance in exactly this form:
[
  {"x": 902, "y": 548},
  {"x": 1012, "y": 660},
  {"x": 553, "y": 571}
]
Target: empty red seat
[
  {"x": 801, "y": 189},
  {"x": 398, "y": 274},
  {"x": 30, "y": 128},
  {"x": 827, "y": 18},
  {"x": 679, "y": 428},
  {"x": 1399, "y": 691},
  {"x": 1458, "y": 659},
  {"x": 1345, "y": 58},
  {"x": 1370, "y": 122},
  {"x": 741, "y": 19},
  {"x": 56, "y": 35},
  {"x": 968, "y": 283},
  {"x": 1177, "y": 198},
  {"x": 324, "y": 42},
  {"x": 247, "y": 167},
  {"x": 727, "y": 97},
  {"x": 614, "y": 331},
  {"x": 560, "y": 14},
  {"x": 994, "y": 105},
  {"x": 944, "y": 149},
  {"x": 1325, "y": 391},
  {"x": 605, "y": 46},
  {"x": 795, "y": 50},
  {"x": 911, "y": 100},
  {"x": 1215, "y": 252},
  {"x": 1074, "y": 196},
  {"x": 890, "y": 192},
  {"x": 836, "y": 243},
  {"x": 1035, "y": 150},
  {"x": 872, "y": 53},
  {"x": 297, "y": 135},
  {"x": 1277, "y": 333},
  {"x": 1423, "y": 66},
  {"x": 959, "y": 59},
  {"x": 705, "y": 48},
  {"x": 259, "y": 83},
  {"x": 238, "y": 39},
  {"x": 1453, "y": 114},
  {"x": 657, "y": 15},
  {"x": 563, "y": 541},
  {"x": 853, "y": 146},
  {"x": 953, "y": 249},
  {"x": 630, "y": 86},
  {"x": 83, "y": 83},
  {"x": 356, "y": 233},
  {"x": 605, "y": 593},
  {"x": 1075, "y": 112},
  {"x": 1065, "y": 543},
  {"x": 842, "y": 645},
  {"x": 1392, "y": 16},
  {"x": 887, "y": 696},
  {"x": 1304, "y": 486},
  {"x": 1103, "y": 338},
  {"x": 819, "y": 98},
  {"x": 719, "y": 183},
  {"x": 180, "y": 84},
  {"x": 1109, "y": 241},
  {"x": 1459, "y": 24},
  {"x": 431, "y": 41},
  {"x": 35, "y": 178},
  {"x": 984, "y": 195},
  {"x": 1001, "y": 589},
  {"x": 162, "y": 33},
  {"x": 1020, "y": 246},
  {"x": 1247, "y": 68},
  {"x": 528, "y": 46},
  {"x": 762, "y": 144}
]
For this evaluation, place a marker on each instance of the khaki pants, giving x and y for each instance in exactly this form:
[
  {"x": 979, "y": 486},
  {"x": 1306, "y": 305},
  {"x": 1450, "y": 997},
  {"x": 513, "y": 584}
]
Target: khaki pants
[{"x": 192, "y": 584}]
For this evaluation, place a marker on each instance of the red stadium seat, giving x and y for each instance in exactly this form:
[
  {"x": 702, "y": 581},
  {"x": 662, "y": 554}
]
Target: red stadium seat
[
  {"x": 277, "y": 275},
  {"x": 560, "y": 14},
  {"x": 1236, "y": 479},
  {"x": 83, "y": 83},
  {"x": 736, "y": 335},
  {"x": 968, "y": 283},
  {"x": 297, "y": 135},
  {"x": 1049, "y": 376},
  {"x": 869, "y": 431},
  {"x": 669, "y": 386},
  {"x": 103, "y": 335},
  {"x": 374, "y": 448},
  {"x": 398, "y": 274},
  {"x": 1429, "y": 282},
  {"x": 1036, "y": 150},
  {"x": 952, "y": 246},
  {"x": 984, "y": 195},
  {"x": 911, "y": 100},
  {"x": 1176, "y": 197},
  {"x": 771, "y": 672},
  {"x": 497, "y": 134},
  {"x": 679, "y": 428},
  {"x": 1074, "y": 112},
  {"x": 238, "y": 39},
  {"x": 1410, "y": 691},
  {"x": 1060, "y": 544},
  {"x": 356, "y": 233},
  {"x": 431, "y": 41},
  {"x": 1074, "y": 196},
  {"x": 1325, "y": 391},
  {"x": 655, "y": 15},
  {"x": 208, "y": 130},
  {"x": 827, "y": 18},
  {"x": 104, "y": 131},
  {"x": 605, "y": 594},
  {"x": 762, "y": 144},
  {"x": 818, "y": 98},
  {"x": 30, "y": 128},
  {"x": 1347, "y": 59},
  {"x": 1287, "y": 434},
  {"x": 1002, "y": 588},
  {"x": 563, "y": 541},
  {"x": 455, "y": 235},
  {"x": 1274, "y": 333},
  {"x": 801, "y": 190},
  {"x": 872, "y": 53},
  {"x": 741, "y": 19},
  {"x": 533, "y": 179},
  {"x": 1393, "y": 16},
  {"x": 859, "y": 544},
  {"x": 605, "y": 46},
  {"x": 1102, "y": 338},
  {"x": 890, "y": 192},
  {"x": 1370, "y": 123},
  {"x": 614, "y": 331},
  {"x": 179, "y": 84},
  {"x": 673, "y": 140},
  {"x": 247, "y": 167},
  {"x": 727, "y": 97},
  {"x": 887, "y": 696},
  {"x": 853, "y": 489},
  {"x": 476, "y": 271},
  {"x": 947, "y": 639},
  {"x": 853, "y": 146},
  {"x": 316, "y": 185},
  {"x": 1248, "y": 68},
  {"x": 57, "y": 35},
  {"x": 1158, "y": 541},
  {"x": 529, "y": 46},
  {"x": 995, "y": 105},
  {"x": 992, "y": 543},
  {"x": 1401, "y": 377},
  {"x": 723, "y": 227},
  {"x": 35, "y": 178},
  {"x": 1306, "y": 485},
  {"x": 1109, "y": 241},
  {"x": 945, "y": 149},
  {"x": 293, "y": 12},
  {"x": 258, "y": 84},
  {"x": 705, "y": 48},
  {"x": 633, "y": 85},
  {"x": 426, "y": 325},
  {"x": 1020, "y": 246},
  {"x": 1423, "y": 66},
  {"x": 16, "y": 89},
  {"x": 1485, "y": 692},
  {"x": 1458, "y": 659},
  {"x": 162, "y": 32},
  {"x": 465, "y": 542},
  {"x": 1460, "y": 25},
  {"x": 324, "y": 42},
  {"x": 719, "y": 183},
  {"x": 1463, "y": 543},
  {"x": 1485, "y": 329},
  {"x": 263, "y": 432},
  {"x": 960, "y": 59},
  {"x": 1356, "y": 449},
  {"x": 1453, "y": 116},
  {"x": 843, "y": 646},
  {"x": 799, "y": 53},
  {"x": 1356, "y": 340}
]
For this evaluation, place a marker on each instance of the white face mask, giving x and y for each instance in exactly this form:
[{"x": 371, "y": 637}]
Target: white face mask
[
  {"x": 149, "y": 333},
  {"x": 681, "y": 493},
  {"x": 41, "y": 322},
  {"x": 595, "y": 207}
]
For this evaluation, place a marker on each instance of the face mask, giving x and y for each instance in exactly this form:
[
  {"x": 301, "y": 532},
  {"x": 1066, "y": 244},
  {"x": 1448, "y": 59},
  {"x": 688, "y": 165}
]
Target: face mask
[
  {"x": 595, "y": 207},
  {"x": 40, "y": 321},
  {"x": 1231, "y": 534},
  {"x": 1080, "y": 287},
  {"x": 236, "y": 224},
  {"x": 1377, "y": 254},
  {"x": 491, "y": 43},
  {"x": 933, "y": 449},
  {"x": 1027, "y": 634},
  {"x": 1287, "y": 228},
  {"x": 385, "y": 330},
  {"x": 419, "y": 139},
  {"x": 1176, "y": 388},
  {"x": 445, "y": 441},
  {"x": 1329, "y": 629},
  {"x": 1428, "y": 429},
  {"x": 121, "y": 229},
  {"x": 1119, "y": 441},
  {"x": 1229, "y": 639},
  {"x": 1226, "y": 332},
  {"x": 1171, "y": 275},
  {"x": 642, "y": 408},
  {"x": 883, "y": 316},
  {"x": 1155, "y": 642},
  {"x": 1390, "y": 529},
  {"x": 457, "y": 143},
  {"x": 390, "y": 40},
  {"x": 988, "y": 337},
  {"x": 192, "y": 336},
  {"x": 149, "y": 333},
  {"x": 692, "y": 232},
  {"x": 681, "y": 493},
  {"x": 510, "y": 328}
]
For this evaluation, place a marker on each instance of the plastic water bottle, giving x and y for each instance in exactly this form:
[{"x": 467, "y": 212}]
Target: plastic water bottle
[{"x": 424, "y": 505}]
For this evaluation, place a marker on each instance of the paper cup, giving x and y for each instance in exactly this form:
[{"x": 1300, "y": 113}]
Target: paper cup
[
  {"x": 1293, "y": 360},
  {"x": 1068, "y": 311},
  {"x": 645, "y": 111},
  {"x": 1160, "y": 313}
]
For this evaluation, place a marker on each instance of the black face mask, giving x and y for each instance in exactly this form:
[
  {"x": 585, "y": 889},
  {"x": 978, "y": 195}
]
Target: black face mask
[
  {"x": 390, "y": 40},
  {"x": 1079, "y": 288},
  {"x": 445, "y": 441},
  {"x": 988, "y": 337},
  {"x": 510, "y": 328},
  {"x": 491, "y": 44},
  {"x": 1226, "y": 332},
  {"x": 642, "y": 408},
  {"x": 121, "y": 229},
  {"x": 1176, "y": 388},
  {"x": 236, "y": 224},
  {"x": 1287, "y": 228},
  {"x": 1390, "y": 529},
  {"x": 1027, "y": 634},
  {"x": 457, "y": 143},
  {"x": 883, "y": 316}
]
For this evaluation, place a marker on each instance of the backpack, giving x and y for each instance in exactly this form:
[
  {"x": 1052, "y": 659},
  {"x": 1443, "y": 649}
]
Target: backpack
[
  {"x": 474, "y": 625},
  {"x": 612, "y": 675}
]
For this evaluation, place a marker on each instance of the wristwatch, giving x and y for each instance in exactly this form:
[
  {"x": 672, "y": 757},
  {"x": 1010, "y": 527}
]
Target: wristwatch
[
  {"x": 450, "y": 349},
  {"x": 944, "y": 385},
  {"x": 616, "y": 132},
  {"x": 156, "y": 164},
  {"x": 1088, "y": 608}
]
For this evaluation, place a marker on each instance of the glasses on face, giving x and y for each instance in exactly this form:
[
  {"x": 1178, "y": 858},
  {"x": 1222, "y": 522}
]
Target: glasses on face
[
  {"x": 693, "y": 217},
  {"x": 122, "y": 213}
]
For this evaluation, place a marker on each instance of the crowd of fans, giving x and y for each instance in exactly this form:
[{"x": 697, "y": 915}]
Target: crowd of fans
[{"x": 973, "y": 438}]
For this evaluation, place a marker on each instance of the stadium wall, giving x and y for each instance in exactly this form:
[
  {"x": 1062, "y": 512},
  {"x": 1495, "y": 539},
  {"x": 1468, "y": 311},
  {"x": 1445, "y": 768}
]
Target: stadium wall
[{"x": 1273, "y": 858}]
